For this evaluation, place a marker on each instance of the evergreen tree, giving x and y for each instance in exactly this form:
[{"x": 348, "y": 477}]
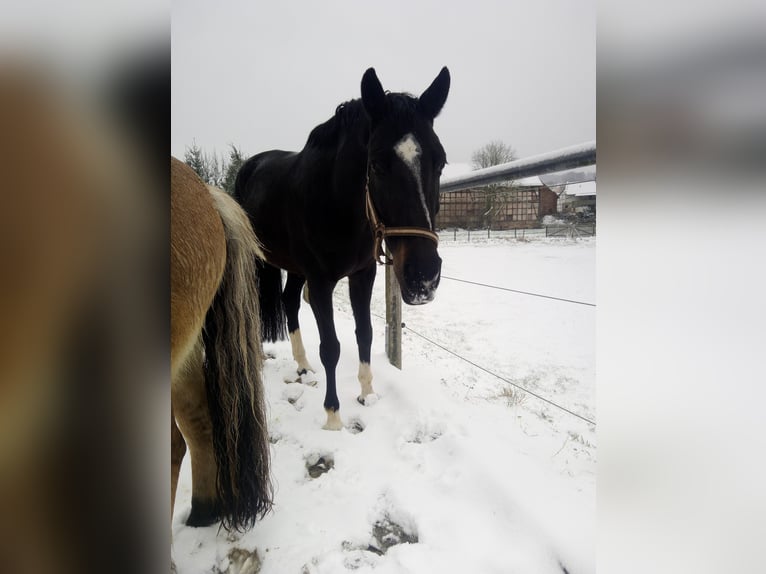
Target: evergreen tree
[
  {"x": 194, "y": 158},
  {"x": 213, "y": 170},
  {"x": 236, "y": 159}
]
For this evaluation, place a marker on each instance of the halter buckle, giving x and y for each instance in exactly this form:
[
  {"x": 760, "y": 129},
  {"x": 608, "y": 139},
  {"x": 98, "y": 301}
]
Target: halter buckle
[{"x": 380, "y": 231}]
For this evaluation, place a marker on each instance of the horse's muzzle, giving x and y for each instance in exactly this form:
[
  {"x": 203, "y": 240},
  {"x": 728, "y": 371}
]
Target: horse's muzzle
[{"x": 420, "y": 279}]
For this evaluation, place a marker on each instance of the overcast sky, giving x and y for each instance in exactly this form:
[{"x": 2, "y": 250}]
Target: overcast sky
[{"x": 262, "y": 74}]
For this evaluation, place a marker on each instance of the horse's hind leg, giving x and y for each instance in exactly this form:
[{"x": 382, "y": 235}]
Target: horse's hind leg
[
  {"x": 291, "y": 299},
  {"x": 360, "y": 292},
  {"x": 177, "y": 452},
  {"x": 189, "y": 400}
]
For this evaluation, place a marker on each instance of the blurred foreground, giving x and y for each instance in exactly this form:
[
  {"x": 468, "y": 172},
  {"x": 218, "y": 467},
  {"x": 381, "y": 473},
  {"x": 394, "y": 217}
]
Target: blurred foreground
[
  {"x": 83, "y": 298},
  {"x": 681, "y": 198}
]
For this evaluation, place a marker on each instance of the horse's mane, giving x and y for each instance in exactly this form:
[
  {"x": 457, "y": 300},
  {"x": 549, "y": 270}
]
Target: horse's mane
[{"x": 351, "y": 115}]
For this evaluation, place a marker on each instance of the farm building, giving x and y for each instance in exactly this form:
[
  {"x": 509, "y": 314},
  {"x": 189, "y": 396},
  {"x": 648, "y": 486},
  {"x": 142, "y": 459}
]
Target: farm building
[
  {"x": 578, "y": 198},
  {"x": 510, "y": 205}
]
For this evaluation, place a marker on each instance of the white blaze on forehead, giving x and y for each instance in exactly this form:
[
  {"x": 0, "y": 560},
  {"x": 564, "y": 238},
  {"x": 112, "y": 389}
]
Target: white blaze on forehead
[{"x": 408, "y": 150}]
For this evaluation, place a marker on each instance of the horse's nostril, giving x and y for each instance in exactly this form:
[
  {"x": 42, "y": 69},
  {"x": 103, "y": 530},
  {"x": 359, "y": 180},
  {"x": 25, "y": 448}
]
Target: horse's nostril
[{"x": 426, "y": 273}]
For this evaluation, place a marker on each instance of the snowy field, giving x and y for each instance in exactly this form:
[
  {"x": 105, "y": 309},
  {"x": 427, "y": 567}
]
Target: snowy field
[{"x": 452, "y": 470}]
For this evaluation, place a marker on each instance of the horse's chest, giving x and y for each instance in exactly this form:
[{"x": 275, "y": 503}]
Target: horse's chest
[{"x": 337, "y": 249}]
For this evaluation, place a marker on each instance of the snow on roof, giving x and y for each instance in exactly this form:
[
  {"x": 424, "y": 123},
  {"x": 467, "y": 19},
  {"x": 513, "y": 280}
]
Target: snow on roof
[
  {"x": 455, "y": 169},
  {"x": 580, "y": 189},
  {"x": 529, "y": 181}
]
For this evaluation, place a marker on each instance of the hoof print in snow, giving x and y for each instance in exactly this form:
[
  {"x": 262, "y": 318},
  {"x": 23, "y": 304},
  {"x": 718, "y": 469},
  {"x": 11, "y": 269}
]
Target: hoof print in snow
[
  {"x": 294, "y": 393},
  {"x": 307, "y": 378},
  {"x": 387, "y": 533},
  {"x": 298, "y": 404},
  {"x": 241, "y": 562},
  {"x": 423, "y": 435},
  {"x": 355, "y": 426},
  {"x": 357, "y": 559},
  {"x": 317, "y": 465}
]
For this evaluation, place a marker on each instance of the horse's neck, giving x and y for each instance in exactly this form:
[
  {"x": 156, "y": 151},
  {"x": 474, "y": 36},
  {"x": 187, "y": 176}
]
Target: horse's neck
[
  {"x": 351, "y": 170},
  {"x": 347, "y": 184}
]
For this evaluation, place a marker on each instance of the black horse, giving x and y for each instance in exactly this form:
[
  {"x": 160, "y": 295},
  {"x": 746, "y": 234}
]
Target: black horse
[{"x": 368, "y": 173}]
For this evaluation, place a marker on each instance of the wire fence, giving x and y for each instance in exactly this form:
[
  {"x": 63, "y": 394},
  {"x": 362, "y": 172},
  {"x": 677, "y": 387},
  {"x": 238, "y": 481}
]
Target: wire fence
[
  {"x": 518, "y": 291},
  {"x": 494, "y": 374},
  {"x": 488, "y": 370},
  {"x": 561, "y": 230}
]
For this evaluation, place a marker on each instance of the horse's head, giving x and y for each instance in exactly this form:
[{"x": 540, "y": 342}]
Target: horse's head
[{"x": 404, "y": 163}]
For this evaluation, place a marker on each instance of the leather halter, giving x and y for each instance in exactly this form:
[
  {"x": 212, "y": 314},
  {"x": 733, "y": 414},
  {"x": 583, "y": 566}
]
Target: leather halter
[{"x": 380, "y": 231}]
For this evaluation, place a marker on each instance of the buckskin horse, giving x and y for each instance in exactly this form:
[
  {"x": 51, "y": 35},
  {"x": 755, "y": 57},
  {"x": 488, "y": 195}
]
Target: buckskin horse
[
  {"x": 216, "y": 356},
  {"x": 369, "y": 173}
]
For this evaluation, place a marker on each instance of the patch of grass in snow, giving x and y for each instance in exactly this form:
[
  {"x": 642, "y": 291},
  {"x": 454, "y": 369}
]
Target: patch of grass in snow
[
  {"x": 578, "y": 438},
  {"x": 513, "y": 397}
]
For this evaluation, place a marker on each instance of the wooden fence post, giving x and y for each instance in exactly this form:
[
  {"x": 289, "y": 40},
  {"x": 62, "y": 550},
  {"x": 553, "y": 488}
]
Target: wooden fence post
[{"x": 393, "y": 317}]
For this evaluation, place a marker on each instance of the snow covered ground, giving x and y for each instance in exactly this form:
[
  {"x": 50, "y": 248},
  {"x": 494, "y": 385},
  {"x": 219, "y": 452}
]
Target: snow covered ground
[{"x": 452, "y": 469}]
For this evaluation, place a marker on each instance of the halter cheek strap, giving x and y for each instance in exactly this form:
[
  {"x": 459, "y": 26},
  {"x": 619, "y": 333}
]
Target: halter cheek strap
[{"x": 380, "y": 231}]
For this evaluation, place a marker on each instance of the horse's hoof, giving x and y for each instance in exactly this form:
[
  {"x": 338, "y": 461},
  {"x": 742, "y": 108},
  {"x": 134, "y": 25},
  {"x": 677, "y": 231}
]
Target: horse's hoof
[
  {"x": 203, "y": 513},
  {"x": 367, "y": 400},
  {"x": 305, "y": 369},
  {"x": 307, "y": 378},
  {"x": 333, "y": 421}
]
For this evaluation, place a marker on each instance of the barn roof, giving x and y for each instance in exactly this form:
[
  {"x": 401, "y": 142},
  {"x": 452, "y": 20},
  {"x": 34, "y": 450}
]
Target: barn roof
[
  {"x": 455, "y": 169},
  {"x": 581, "y": 189}
]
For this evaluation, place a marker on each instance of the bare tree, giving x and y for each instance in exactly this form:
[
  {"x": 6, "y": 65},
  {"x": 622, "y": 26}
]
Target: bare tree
[{"x": 493, "y": 153}]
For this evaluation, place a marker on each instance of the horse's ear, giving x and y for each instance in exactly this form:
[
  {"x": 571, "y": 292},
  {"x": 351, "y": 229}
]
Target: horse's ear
[
  {"x": 432, "y": 100},
  {"x": 373, "y": 96}
]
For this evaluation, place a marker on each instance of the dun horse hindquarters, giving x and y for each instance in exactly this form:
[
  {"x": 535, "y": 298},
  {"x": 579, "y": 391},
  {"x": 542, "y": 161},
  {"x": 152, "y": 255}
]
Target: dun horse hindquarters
[
  {"x": 216, "y": 358},
  {"x": 369, "y": 173}
]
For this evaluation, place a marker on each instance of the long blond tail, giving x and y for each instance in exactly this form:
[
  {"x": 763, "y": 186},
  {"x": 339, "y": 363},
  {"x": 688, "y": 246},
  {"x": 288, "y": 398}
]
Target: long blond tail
[{"x": 233, "y": 369}]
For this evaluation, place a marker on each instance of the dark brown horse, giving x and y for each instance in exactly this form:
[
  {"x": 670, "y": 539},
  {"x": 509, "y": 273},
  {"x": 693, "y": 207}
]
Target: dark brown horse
[
  {"x": 368, "y": 173},
  {"x": 216, "y": 356}
]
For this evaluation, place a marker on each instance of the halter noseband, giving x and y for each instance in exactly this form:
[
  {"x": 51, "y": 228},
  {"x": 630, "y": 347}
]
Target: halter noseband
[{"x": 381, "y": 231}]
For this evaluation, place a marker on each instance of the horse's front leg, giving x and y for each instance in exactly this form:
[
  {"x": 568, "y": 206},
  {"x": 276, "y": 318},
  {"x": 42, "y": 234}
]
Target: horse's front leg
[
  {"x": 360, "y": 292},
  {"x": 329, "y": 347}
]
